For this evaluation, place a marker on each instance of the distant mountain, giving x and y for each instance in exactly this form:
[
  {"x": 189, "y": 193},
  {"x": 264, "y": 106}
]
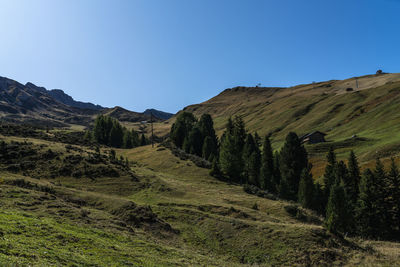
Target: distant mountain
[
  {"x": 36, "y": 105},
  {"x": 122, "y": 114},
  {"x": 159, "y": 114}
]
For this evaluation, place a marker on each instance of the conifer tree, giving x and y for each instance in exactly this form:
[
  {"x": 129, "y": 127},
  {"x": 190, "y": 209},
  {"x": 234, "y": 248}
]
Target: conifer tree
[
  {"x": 293, "y": 159},
  {"x": 194, "y": 142},
  {"x": 239, "y": 133},
  {"x": 380, "y": 193},
  {"x": 354, "y": 178},
  {"x": 367, "y": 220},
  {"x": 252, "y": 161},
  {"x": 392, "y": 200},
  {"x": 182, "y": 127},
  {"x": 317, "y": 204},
  {"x": 267, "y": 167},
  {"x": 208, "y": 149},
  {"x": 329, "y": 176},
  {"x": 276, "y": 178},
  {"x": 230, "y": 155},
  {"x": 215, "y": 170},
  {"x": 116, "y": 135},
  {"x": 128, "y": 139},
  {"x": 257, "y": 139},
  {"x": 337, "y": 215},
  {"x": 206, "y": 126},
  {"x": 306, "y": 189},
  {"x": 143, "y": 140}
]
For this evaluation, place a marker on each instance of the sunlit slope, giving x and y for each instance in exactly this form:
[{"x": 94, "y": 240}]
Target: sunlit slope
[{"x": 369, "y": 111}]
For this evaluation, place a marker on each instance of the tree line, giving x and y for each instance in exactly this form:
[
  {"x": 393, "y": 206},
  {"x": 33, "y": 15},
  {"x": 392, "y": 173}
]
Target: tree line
[
  {"x": 110, "y": 132},
  {"x": 345, "y": 197}
]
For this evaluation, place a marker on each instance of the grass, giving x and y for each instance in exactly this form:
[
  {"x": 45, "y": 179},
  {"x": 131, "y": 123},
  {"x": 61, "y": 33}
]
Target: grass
[
  {"x": 172, "y": 214},
  {"x": 371, "y": 112}
]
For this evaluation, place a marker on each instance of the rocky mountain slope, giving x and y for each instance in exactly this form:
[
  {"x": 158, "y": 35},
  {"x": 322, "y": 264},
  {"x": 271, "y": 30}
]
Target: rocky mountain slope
[{"x": 32, "y": 104}]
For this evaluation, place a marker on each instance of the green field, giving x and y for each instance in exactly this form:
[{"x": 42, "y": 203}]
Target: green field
[{"x": 171, "y": 213}]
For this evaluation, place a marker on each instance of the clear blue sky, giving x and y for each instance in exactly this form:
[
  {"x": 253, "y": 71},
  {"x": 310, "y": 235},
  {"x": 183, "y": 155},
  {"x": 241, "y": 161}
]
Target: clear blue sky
[{"x": 168, "y": 54}]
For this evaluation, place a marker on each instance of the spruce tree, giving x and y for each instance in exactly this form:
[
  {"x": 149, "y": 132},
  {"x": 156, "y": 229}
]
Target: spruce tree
[
  {"x": 182, "y": 127},
  {"x": 392, "y": 200},
  {"x": 306, "y": 189},
  {"x": 128, "y": 139},
  {"x": 267, "y": 167},
  {"x": 230, "y": 155},
  {"x": 143, "y": 140},
  {"x": 215, "y": 170},
  {"x": 354, "y": 178},
  {"x": 329, "y": 175},
  {"x": 248, "y": 150},
  {"x": 195, "y": 142},
  {"x": 257, "y": 139},
  {"x": 116, "y": 135},
  {"x": 293, "y": 159},
  {"x": 276, "y": 178},
  {"x": 206, "y": 126},
  {"x": 208, "y": 149},
  {"x": 317, "y": 204},
  {"x": 380, "y": 191},
  {"x": 337, "y": 215},
  {"x": 366, "y": 216}
]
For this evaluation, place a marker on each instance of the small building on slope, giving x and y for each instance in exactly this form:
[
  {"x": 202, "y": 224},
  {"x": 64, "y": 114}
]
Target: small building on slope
[{"x": 313, "y": 138}]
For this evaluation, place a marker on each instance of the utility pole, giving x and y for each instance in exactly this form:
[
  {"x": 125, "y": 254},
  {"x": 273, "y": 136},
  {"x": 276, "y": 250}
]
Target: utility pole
[
  {"x": 152, "y": 132},
  {"x": 356, "y": 83}
]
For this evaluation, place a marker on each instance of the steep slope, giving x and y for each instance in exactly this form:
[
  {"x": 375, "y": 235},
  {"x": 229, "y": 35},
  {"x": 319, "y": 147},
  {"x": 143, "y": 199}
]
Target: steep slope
[{"x": 338, "y": 107}]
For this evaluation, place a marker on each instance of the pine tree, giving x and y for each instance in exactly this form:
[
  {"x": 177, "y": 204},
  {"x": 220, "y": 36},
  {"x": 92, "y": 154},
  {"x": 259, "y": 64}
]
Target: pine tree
[
  {"x": 276, "y": 178},
  {"x": 128, "y": 139},
  {"x": 317, "y": 203},
  {"x": 267, "y": 167},
  {"x": 230, "y": 159},
  {"x": 230, "y": 154},
  {"x": 206, "y": 126},
  {"x": 341, "y": 174},
  {"x": 208, "y": 150},
  {"x": 182, "y": 127},
  {"x": 392, "y": 200},
  {"x": 239, "y": 133},
  {"x": 329, "y": 176},
  {"x": 215, "y": 170},
  {"x": 248, "y": 150},
  {"x": 354, "y": 178},
  {"x": 293, "y": 159},
  {"x": 257, "y": 139},
  {"x": 116, "y": 135},
  {"x": 306, "y": 189},
  {"x": 380, "y": 190},
  {"x": 143, "y": 140},
  {"x": 195, "y": 142},
  {"x": 337, "y": 215},
  {"x": 367, "y": 219}
]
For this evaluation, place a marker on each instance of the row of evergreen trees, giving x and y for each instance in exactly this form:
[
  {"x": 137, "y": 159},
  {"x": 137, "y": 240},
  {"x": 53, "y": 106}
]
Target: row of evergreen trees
[
  {"x": 110, "y": 132},
  {"x": 195, "y": 137},
  {"x": 366, "y": 205}
]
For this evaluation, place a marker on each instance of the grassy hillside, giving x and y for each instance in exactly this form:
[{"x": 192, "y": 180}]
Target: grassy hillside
[
  {"x": 369, "y": 112},
  {"x": 161, "y": 212}
]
